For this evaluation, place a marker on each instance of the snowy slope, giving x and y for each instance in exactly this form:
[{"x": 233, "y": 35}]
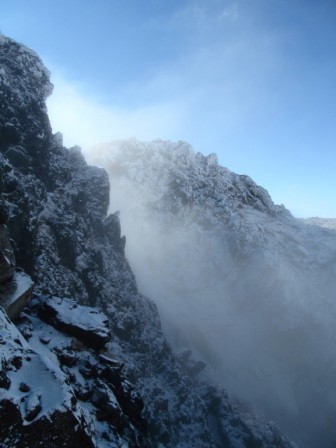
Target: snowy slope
[
  {"x": 236, "y": 278},
  {"x": 328, "y": 223}
]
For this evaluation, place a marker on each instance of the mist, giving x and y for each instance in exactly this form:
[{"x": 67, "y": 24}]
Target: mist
[{"x": 236, "y": 279}]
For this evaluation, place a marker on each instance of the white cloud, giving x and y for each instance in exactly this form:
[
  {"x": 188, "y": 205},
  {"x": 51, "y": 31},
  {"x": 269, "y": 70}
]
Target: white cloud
[
  {"x": 215, "y": 82},
  {"x": 85, "y": 121}
]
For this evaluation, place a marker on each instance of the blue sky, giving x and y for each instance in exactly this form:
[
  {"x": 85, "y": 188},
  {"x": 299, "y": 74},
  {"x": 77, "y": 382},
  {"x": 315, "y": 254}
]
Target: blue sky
[{"x": 252, "y": 80}]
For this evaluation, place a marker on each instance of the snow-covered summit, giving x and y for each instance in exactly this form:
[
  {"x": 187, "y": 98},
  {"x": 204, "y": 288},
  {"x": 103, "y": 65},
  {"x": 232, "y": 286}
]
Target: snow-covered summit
[{"x": 193, "y": 179}]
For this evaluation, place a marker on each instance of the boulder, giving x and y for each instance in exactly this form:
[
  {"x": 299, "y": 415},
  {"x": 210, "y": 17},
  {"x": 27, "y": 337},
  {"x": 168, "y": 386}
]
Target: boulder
[{"x": 85, "y": 323}]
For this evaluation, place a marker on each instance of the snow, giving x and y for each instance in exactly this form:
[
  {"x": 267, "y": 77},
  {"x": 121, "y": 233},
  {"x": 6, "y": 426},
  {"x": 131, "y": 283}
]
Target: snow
[
  {"x": 42, "y": 376},
  {"x": 84, "y": 317}
]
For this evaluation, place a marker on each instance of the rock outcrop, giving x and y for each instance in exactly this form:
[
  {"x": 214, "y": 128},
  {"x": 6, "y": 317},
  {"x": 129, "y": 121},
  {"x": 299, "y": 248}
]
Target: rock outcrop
[
  {"x": 59, "y": 392},
  {"x": 85, "y": 323},
  {"x": 36, "y": 402},
  {"x": 15, "y": 286}
]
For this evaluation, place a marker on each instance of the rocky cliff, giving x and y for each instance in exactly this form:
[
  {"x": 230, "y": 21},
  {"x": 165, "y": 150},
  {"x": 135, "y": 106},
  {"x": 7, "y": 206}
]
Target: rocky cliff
[{"x": 86, "y": 363}]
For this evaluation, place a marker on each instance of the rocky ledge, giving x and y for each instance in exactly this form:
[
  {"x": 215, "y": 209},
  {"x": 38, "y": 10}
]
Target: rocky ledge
[
  {"x": 85, "y": 323},
  {"x": 58, "y": 390}
]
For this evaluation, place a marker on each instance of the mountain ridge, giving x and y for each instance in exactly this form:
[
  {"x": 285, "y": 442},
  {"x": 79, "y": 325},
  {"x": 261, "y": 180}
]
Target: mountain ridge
[{"x": 54, "y": 210}]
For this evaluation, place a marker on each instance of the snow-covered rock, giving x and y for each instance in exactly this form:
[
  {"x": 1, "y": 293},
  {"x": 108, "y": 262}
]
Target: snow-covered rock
[
  {"x": 85, "y": 323},
  {"x": 37, "y": 405}
]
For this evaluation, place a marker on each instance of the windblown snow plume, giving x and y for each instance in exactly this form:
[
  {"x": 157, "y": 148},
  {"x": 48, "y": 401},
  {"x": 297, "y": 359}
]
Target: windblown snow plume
[{"x": 237, "y": 279}]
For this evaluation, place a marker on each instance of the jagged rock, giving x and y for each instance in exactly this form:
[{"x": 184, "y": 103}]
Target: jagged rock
[
  {"x": 26, "y": 326},
  {"x": 3, "y": 213},
  {"x": 114, "y": 363},
  {"x": 66, "y": 357},
  {"x": 23, "y": 117},
  {"x": 105, "y": 400},
  {"x": 113, "y": 406},
  {"x": 7, "y": 258},
  {"x": 85, "y": 323},
  {"x": 132, "y": 404},
  {"x": 83, "y": 393},
  {"x": 113, "y": 231},
  {"x": 4, "y": 381},
  {"x": 6, "y": 268},
  {"x": 32, "y": 405},
  {"x": 62, "y": 430},
  {"x": 24, "y": 387},
  {"x": 45, "y": 340}
]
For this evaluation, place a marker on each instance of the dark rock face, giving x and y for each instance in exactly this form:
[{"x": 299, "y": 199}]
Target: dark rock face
[
  {"x": 15, "y": 286},
  {"x": 24, "y": 119},
  {"x": 55, "y": 206},
  {"x": 61, "y": 431},
  {"x": 7, "y": 259}
]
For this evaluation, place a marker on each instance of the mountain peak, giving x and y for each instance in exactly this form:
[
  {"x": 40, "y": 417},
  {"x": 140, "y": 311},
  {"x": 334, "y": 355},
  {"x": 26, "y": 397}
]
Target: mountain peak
[{"x": 175, "y": 170}]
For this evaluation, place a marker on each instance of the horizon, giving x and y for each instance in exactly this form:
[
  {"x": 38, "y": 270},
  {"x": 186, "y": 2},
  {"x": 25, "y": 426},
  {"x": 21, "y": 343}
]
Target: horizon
[{"x": 252, "y": 82}]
